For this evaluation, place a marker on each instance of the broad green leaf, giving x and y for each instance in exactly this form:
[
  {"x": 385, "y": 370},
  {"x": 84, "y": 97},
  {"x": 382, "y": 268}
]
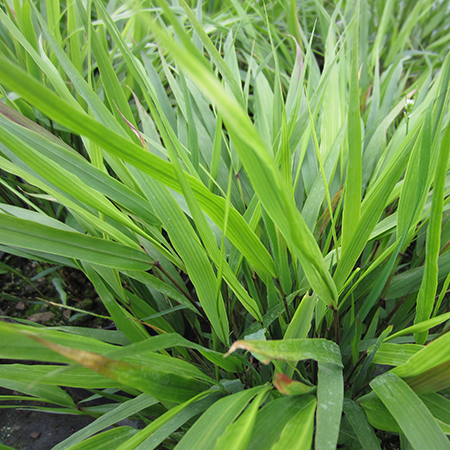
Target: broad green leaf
[
  {"x": 156, "y": 343},
  {"x": 166, "y": 429},
  {"x": 163, "y": 419},
  {"x": 202, "y": 435},
  {"x": 34, "y": 236},
  {"x": 107, "y": 440},
  {"x": 330, "y": 397},
  {"x": 358, "y": 420},
  {"x": 265, "y": 177},
  {"x": 394, "y": 354},
  {"x": 274, "y": 417},
  {"x": 168, "y": 386},
  {"x": 427, "y": 291},
  {"x": 5, "y": 447},
  {"x": 153, "y": 373},
  {"x": 439, "y": 406},
  {"x": 17, "y": 346},
  {"x": 53, "y": 394},
  {"x": 433, "y": 355},
  {"x": 298, "y": 432},
  {"x": 321, "y": 350},
  {"x": 377, "y": 413},
  {"x": 301, "y": 322},
  {"x": 352, "y": 198},
  {"x": 432, "y": 380},
  {"x": 122, "y": 411},
  {"x": 238, "y": 231},
  {"x": 287, "y": 386},
  {"x": 71, "y": 376},
  {"x": 237, "y": 435},
  {"x": 413, "y": 417},
  {"x": 133, "y": 330}
]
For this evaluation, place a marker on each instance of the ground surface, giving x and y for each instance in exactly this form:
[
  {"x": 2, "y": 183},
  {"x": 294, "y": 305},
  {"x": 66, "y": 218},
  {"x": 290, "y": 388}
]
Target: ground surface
[
  {"x": 25, "y": 295},
  {"x": 36, "y": 430}
]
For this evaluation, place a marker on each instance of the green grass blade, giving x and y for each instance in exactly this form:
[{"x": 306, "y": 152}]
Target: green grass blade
[
  {"x": 353, "y": 191},
  {"x": 165, "y": 386},
  {"x": 273, "y": 418},
  {"x": 106, "y": 440},
  {"x": 160, "y": 421},
  {"x": 428, "y": 370},
  {"x": 157, "y": 343},
  {"x": 394, "y": 354},
  {"x": 52, "y": 394},
  {"x": 122, "y": 411},
  {"x": 33, "y": 236},
  {"x": 43, "y": 63},
  {"x": 237, "y": 435},
  {"x": 265, "y": 177},
  {"x": 414, "y": 418},
  {"x": 238, "y": 231},
  {"x": 330, "y": 397},
  {"x": 188, "y": 246},
  {"x": 320, "y": 350},
  {"x": 361, "y": 427},
  {"x": 427, "y": 292},
  {"x": 187, "y": 413},
  {"x": 372, "y": 207},
  {"x": 133, "y": 330},
  {"x": 300, "y": 325},
  {"x": 298, "y": 432},
  {"x": 203, "y": 436},
  {"x": 225, "y": 71},
  {"x": 43, "y": 142}
]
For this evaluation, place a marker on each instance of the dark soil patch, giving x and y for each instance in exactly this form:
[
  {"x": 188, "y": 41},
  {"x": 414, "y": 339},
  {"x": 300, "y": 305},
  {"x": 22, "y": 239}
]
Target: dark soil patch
[
  {"x": 37, "y": 430},
  {"x": 24, "y": 429},
  {"x": 24, "y": 294}
]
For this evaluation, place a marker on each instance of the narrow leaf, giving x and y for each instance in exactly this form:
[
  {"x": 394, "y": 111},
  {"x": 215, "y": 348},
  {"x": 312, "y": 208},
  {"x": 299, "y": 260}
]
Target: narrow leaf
[
  {"x": 320, "y": 350},
  {"x": 413, "y": 417}
]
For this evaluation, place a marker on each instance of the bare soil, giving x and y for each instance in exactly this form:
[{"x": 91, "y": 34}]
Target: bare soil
[{"x": 25, "y": 295}]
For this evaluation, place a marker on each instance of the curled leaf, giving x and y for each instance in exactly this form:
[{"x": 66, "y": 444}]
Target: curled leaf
[
  {"x": 320, "y": 350},
  {"x": 288, "y": 386}
]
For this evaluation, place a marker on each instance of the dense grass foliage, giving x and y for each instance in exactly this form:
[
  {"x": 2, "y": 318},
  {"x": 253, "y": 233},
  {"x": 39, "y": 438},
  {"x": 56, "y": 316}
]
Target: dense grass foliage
[{"x": 261, "y": 181}]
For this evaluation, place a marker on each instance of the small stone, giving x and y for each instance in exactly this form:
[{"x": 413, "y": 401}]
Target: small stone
[
  {"x": 20, "y": 306},
  {"x": 41, "y": 317},
  {"x": 67, "y": 313},
  {"x": 35, "y": 434}
]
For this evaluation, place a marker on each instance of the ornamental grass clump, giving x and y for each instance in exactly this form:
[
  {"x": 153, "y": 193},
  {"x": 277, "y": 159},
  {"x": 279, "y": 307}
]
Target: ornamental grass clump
[{"x": 258, "y": 193}]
